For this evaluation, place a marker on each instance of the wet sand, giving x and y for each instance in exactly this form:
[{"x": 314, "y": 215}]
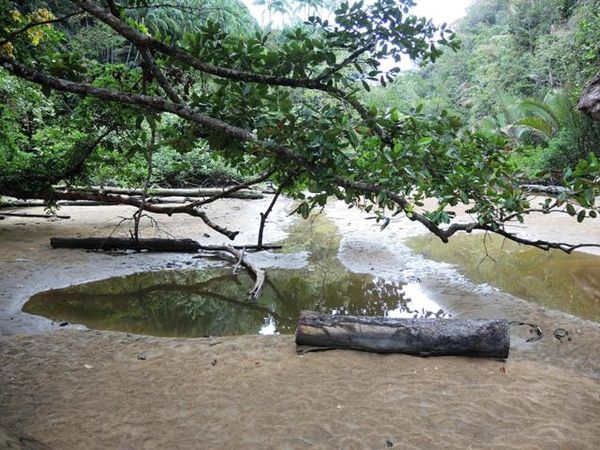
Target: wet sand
[{"x": 72, "y": 388}]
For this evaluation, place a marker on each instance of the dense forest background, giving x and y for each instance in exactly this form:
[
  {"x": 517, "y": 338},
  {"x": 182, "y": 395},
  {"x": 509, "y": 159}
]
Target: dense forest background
[{"x": 519, "y": 72}]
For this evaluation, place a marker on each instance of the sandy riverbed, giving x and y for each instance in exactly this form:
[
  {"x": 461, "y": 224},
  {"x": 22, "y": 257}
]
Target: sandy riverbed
[{"x": 72, "y": 388}]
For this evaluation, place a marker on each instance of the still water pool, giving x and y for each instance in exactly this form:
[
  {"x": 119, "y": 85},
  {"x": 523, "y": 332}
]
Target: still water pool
[{"x": 192, "y": 303}]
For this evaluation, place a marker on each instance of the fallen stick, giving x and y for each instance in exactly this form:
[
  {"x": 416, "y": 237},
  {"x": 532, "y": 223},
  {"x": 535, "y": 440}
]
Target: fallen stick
[
  {"x": 43, "y": 216},
  {"x": 39, "y": 203},
  {"x": 111, "y": 243},
  {"x": 422, "y": 337},
  {"x": 259, "y": 274}
]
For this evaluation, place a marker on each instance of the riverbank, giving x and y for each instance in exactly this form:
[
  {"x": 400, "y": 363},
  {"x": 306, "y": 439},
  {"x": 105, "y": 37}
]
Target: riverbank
[{"x": 69, "y": 387}]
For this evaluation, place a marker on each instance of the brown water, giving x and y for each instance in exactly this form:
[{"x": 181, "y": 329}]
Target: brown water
[
  {"x": 569, "y": 283},
  {"x": 213, "y": 301}
]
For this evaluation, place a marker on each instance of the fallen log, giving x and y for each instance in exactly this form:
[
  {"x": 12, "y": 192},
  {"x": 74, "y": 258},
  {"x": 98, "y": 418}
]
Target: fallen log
[
  {"x": 421, "y": 337},
  {"x": 38, "y": 216},
  {"x": 258, "y": 273},
  {"x": 551, "y": 190},
  {"x": 111, "y": 243},
  {"x": 246, "y": 194},
  {"x": 15, "y": 203}
]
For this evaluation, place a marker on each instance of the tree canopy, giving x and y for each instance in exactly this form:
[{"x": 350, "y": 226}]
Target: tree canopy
[{"x": 285, "y": 104}]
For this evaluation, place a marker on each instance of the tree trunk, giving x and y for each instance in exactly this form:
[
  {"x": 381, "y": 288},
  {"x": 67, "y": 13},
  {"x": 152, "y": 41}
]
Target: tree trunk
[
  {"x": 152, "y": 245},
  {"x": 589, "y": 102},
  {"x": 422, "y": 337}
]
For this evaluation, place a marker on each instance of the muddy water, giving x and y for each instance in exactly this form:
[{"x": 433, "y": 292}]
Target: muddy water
[
  {"x": 569, "y": 283},
  {"x": 213, "y": 301}
]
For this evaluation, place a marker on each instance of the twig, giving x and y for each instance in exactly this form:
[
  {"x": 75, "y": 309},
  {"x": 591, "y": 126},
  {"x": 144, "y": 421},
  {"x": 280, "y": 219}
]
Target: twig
[
  {"x": 237, "y": 265},
  {"x": 259, "y": 274},
  {"x": 263, "y": 216}
]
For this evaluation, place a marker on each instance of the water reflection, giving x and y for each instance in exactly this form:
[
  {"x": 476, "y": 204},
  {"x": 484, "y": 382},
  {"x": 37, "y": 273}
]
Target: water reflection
[
  {"x": 569, "y": 283},
  {"x": 201, "y": 303},
  {"x": 212, "y": 302}
]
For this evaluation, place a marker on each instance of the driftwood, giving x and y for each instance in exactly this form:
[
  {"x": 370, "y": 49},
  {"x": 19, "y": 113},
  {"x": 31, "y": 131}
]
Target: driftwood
[
  {"x": 589, "y": 101},
  {"x": 169, "y": 245},
  {"x": 152, "y": 245},
  {"x": 422, "y": 337},
  {"x": 247, "y": 194},
  {"x": 16, "y": 203},
  {"x": 259, "y": 274},
  {"x": 42, "y": 216}
]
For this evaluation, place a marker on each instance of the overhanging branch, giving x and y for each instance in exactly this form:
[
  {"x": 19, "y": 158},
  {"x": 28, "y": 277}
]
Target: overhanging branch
[{"x": 282, "y": 153}]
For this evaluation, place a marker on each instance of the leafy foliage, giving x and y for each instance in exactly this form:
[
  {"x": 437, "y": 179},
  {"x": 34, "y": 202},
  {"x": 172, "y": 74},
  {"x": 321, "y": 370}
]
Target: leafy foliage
[{"x": 290, "y": 102}]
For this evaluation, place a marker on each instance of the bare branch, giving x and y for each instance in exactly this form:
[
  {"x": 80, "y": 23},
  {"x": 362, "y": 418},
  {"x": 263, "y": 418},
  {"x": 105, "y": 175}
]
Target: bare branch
[{"x": 259, "y": 274}]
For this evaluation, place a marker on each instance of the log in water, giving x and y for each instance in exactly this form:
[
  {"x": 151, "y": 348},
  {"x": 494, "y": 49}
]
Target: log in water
[
  {"x": 422, "y": 337},
  {"x": 152, "y": 245}
]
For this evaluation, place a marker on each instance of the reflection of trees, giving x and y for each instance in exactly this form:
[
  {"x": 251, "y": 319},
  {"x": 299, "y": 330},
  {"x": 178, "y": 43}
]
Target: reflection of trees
[{"x": 164, "y": 303}]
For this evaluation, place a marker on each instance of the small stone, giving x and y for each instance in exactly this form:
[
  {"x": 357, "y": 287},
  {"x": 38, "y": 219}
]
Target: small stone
[
  {"x": 213, "y": 362},
  {"x": 141, "y": 357},
  {"x": 87, "y": 366},
  {"x": 206, "y": 235},
  {"x": 389, "y": 443},
  {"x": 63, "y": 324}
]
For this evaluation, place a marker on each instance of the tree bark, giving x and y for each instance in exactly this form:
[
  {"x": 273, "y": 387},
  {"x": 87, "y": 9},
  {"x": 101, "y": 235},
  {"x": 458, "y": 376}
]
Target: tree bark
[
  {"x": 152, "y": 245},
  {"x": 589, "y": 101},
  {"x": 421, "y": 337}
]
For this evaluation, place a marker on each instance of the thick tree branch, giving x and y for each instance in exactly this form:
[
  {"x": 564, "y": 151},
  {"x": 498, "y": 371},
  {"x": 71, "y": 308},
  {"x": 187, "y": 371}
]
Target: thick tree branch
[
  {"x": 158, "y": 74},
  {"x": 185, "y": 57},
  {"x": 283, "y": 153}
]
